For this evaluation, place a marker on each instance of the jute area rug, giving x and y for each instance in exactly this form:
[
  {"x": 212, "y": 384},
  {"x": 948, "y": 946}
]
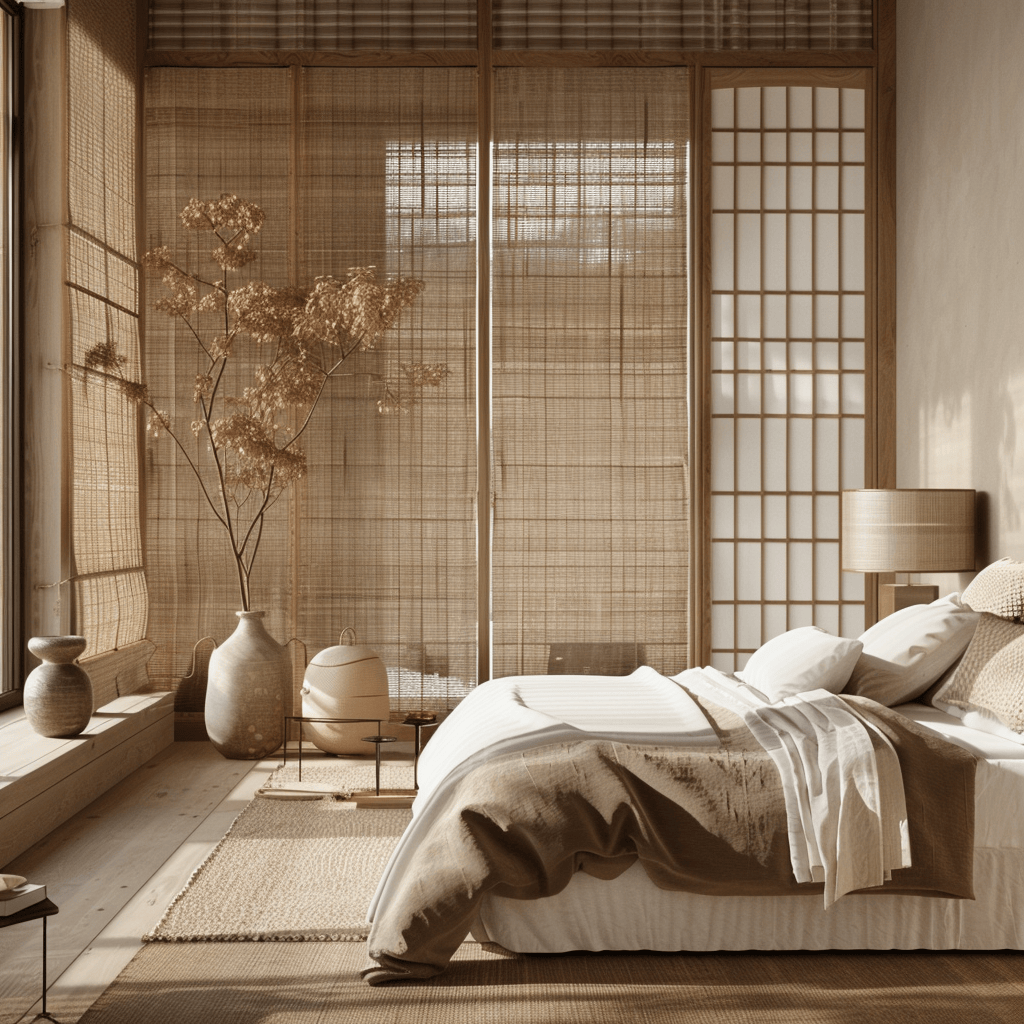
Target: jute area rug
[
  {"x": 317, "y": 983},
  {"x": 293, "y": 869}
]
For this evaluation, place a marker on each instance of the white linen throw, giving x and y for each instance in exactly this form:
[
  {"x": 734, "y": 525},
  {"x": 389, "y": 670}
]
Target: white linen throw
[{"x": 845, "y": 805}]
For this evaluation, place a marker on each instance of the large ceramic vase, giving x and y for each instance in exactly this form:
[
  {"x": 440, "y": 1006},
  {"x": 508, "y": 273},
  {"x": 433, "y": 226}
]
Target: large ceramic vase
[
  {"x": 248, "y": 679},
  {"x": 58, "y": 693}
]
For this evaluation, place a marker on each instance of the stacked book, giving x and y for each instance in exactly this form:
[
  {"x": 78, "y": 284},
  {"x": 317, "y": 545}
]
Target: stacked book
[{"x": 19, "y": 896}]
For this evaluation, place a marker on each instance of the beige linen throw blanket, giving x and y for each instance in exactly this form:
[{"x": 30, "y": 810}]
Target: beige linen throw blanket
[{"x": 709, "y": 820}]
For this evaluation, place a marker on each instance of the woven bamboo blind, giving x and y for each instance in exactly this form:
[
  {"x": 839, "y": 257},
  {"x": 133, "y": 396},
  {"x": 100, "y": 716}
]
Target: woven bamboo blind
[
  {"x": 518, "y": 24},
  {"x": 589, "y": 370},
  {"x": 101, "y": 440}
]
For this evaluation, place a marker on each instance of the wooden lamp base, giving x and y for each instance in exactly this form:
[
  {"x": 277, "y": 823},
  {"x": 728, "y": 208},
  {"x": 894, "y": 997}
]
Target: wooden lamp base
[{"x": 894, "y": 596}]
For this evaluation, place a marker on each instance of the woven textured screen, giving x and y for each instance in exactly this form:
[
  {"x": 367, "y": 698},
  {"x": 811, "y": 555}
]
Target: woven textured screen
[
  {"x": 312, "y": 24},
  {"x": 590, "y": 550},
  {"x": 379, "y": 535},
  {"x": 108, "y": 582},
  {"x": 518, "y": 24},
  {"x": 683, "y": 24}
]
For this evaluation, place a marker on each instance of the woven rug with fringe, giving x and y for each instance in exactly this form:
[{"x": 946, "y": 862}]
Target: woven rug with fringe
[
  {"x": 318, "y": 982},
  {"x": 292, "y": 870}
]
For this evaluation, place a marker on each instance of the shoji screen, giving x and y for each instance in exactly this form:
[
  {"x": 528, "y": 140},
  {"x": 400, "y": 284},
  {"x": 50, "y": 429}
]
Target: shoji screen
[
  {"x": 790, "y": 315},
  {"x": 589, "y": 370}
]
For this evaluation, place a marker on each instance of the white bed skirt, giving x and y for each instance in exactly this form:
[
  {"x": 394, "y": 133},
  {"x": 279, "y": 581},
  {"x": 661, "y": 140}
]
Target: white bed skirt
[{"x": 632, "y": 913}]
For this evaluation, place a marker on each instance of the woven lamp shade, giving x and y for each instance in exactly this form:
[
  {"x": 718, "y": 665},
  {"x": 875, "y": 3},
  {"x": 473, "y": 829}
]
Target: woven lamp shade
[{"x": 908, "y": 531}]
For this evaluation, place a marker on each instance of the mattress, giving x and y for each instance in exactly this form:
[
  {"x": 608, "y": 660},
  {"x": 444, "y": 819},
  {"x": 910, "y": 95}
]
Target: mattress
[{"x": 631, "y": 913}]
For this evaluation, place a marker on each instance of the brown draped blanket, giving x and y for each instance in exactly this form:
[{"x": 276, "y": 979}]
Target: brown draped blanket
[{"x": 710, "y": 821}]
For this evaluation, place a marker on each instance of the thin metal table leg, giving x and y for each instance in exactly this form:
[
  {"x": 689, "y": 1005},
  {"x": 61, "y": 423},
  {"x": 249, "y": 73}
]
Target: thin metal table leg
[{"x": 43, "y": 1015}]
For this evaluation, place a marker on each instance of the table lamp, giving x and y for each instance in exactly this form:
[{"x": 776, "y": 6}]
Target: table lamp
[{"x": 907, "y": 530}]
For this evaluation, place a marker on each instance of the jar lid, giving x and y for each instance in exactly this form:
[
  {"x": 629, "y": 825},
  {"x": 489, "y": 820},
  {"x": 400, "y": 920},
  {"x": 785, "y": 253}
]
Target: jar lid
[{"x": 343, "y": 654}]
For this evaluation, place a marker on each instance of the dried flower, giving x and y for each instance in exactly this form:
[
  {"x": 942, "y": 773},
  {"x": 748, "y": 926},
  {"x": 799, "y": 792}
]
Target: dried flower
[{"x": 304, "y": 337}]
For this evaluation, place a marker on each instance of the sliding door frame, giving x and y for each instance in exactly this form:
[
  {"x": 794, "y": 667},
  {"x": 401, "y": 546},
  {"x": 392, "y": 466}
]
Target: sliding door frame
[{"x": 878, "y": 61}]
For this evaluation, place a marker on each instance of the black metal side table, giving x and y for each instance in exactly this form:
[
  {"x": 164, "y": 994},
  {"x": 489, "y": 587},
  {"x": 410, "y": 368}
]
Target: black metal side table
[
  {"x": 43, "y": 909},
  {"x": 331, "y": 721}
]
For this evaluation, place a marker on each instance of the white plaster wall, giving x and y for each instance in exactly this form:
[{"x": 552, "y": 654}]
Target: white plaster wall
[{"x": 960, "y": 257}]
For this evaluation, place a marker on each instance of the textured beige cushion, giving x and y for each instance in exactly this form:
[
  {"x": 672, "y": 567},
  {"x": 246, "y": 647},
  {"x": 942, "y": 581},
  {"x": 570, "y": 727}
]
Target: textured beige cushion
[
  {"x": 909, "y": 650},
  {"x": 990, "y": 676},
  {"x": 802, "y": 659},
  {"x": 998, "y": 590}
]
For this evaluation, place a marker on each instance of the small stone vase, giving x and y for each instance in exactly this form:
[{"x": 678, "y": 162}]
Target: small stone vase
[
  {"x": 248, "y": 678},
  {"x": 58, "y": 693}
]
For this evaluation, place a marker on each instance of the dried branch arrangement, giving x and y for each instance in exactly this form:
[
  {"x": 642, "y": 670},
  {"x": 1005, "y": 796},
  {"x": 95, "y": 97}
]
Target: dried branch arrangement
[{"x": 244, "y": 446}]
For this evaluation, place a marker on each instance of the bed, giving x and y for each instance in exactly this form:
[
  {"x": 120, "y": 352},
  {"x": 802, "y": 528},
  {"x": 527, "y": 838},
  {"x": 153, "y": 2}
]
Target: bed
[{"x": 925, "y": 690}]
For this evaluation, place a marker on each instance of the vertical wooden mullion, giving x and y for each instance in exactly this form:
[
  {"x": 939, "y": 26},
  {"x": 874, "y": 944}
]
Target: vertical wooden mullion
[
  {"x": 814, "y": 354},
  {"x": 295, "y": 504},
  {"x": 789, "y": 344},
  {"x": 737, "y": 549},
  {"x": 485, "y": 142}
]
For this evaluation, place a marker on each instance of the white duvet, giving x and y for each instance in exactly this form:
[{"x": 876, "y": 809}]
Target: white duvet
[{"x": 844, "y": 794}]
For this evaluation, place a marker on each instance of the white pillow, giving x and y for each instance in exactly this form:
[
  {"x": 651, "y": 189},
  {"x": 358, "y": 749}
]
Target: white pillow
[
  {"x": 909, "y": 650},
  {"x": 803, "y": 659}
]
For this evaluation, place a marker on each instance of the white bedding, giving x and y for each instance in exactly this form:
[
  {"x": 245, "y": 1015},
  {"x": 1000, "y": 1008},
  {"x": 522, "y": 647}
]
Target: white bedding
[{"x": 631, "y": 913}]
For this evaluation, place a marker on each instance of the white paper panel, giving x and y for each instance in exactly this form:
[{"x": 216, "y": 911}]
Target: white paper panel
[
  {"x": 801, "y": 353},
  {"x": 826, "y": 444},
  {"x": 801, "y": 318},
  {"x": 853, "y": 252},
  {"x": 801, "y": 147},
  {"x": 723, "y": 625},
  {"x": 723, "y": 178},
  {"x": 826, "y": 571},
  {"x": 775, "y": 323},
  {"x": 852, "y": 108},
  {"x": 722, "y": 561},
  {"x": 775, "y": 454},
  {"x": 748, "y": 353},
  {"x": 852, "y": 147},
  {"x": 853, "y": 188},
  {"x": 722, "y": 506},
  {"x": 826, "y": 188},
  {"x": 748, "y": 187},
  {"x": 748, "y": 242},
  {"x": 801, "y": 394},
  {"x": 748, "y": 398},
  {"x": 776, "y": 620},
  {"x": 724, "y": 661},
  {"x": 748, "y": 516},
  {"x": 774, "y": 106},
  {"x": 722, "y": 251},
  {"x": 826, "y": 516},
  {"x": 775, "y": 519},
  {"x": 826, "y": 355},
  {"x": 748, "y": 468},
  {"x": 722, "y": 394},
  {"x": 748, "y": 574},
  {"x": 852, "y": 320},
  {"x": 774, "y": 187},
  {"x": 851, "y": 621},
  {"x": 826, "y": 617},
  {"x": 801, "y": 192},
  {"x": 722, "y": 108},
  {"x": 853, "y": 454},
  {"x": 800, "y": 252},
  {"x": 722, "y": 324},
  {"x": 748, "y": 319},
  {"x": 826, "y": 147},
  {"x": 852, "y": 355},
  {"x": 801, "y": 516},
  {"x": 826, "y": 394},
  {"x": 800, "y": 104},
  {"x": 748, "y": 108},
  {"x": 776, "y": 146},
  {"x": 801, "y": 572},
  {"x": 800, "y": 615},
  {"x": 775, "y": 249},
  {"x": 748, "y": 147},
  {"x": 826, "y": 107},
  {"x": 852, "y": 587},
  {"x": 723, "y": 147},
  {"x": 853, "y": 394},
  {"x": 721, "y": 355},
  {"x": 722, "y": 464},
  {"x": 776, "y": 391},
  {"x": 748, "y": 627},
  {"x": 800, "y": 461},
  {"x": 826, "y": 252},
  {"x": 826, "y": 316},
  {"x": 776, "y": 571}
]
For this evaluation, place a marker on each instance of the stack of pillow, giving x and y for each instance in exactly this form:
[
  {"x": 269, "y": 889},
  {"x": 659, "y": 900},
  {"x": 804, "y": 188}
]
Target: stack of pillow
[{"x": 968, "y": 648}]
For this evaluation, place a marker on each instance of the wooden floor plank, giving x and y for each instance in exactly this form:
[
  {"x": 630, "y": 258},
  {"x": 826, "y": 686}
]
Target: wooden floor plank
[{"x": 108, "y": 855}]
